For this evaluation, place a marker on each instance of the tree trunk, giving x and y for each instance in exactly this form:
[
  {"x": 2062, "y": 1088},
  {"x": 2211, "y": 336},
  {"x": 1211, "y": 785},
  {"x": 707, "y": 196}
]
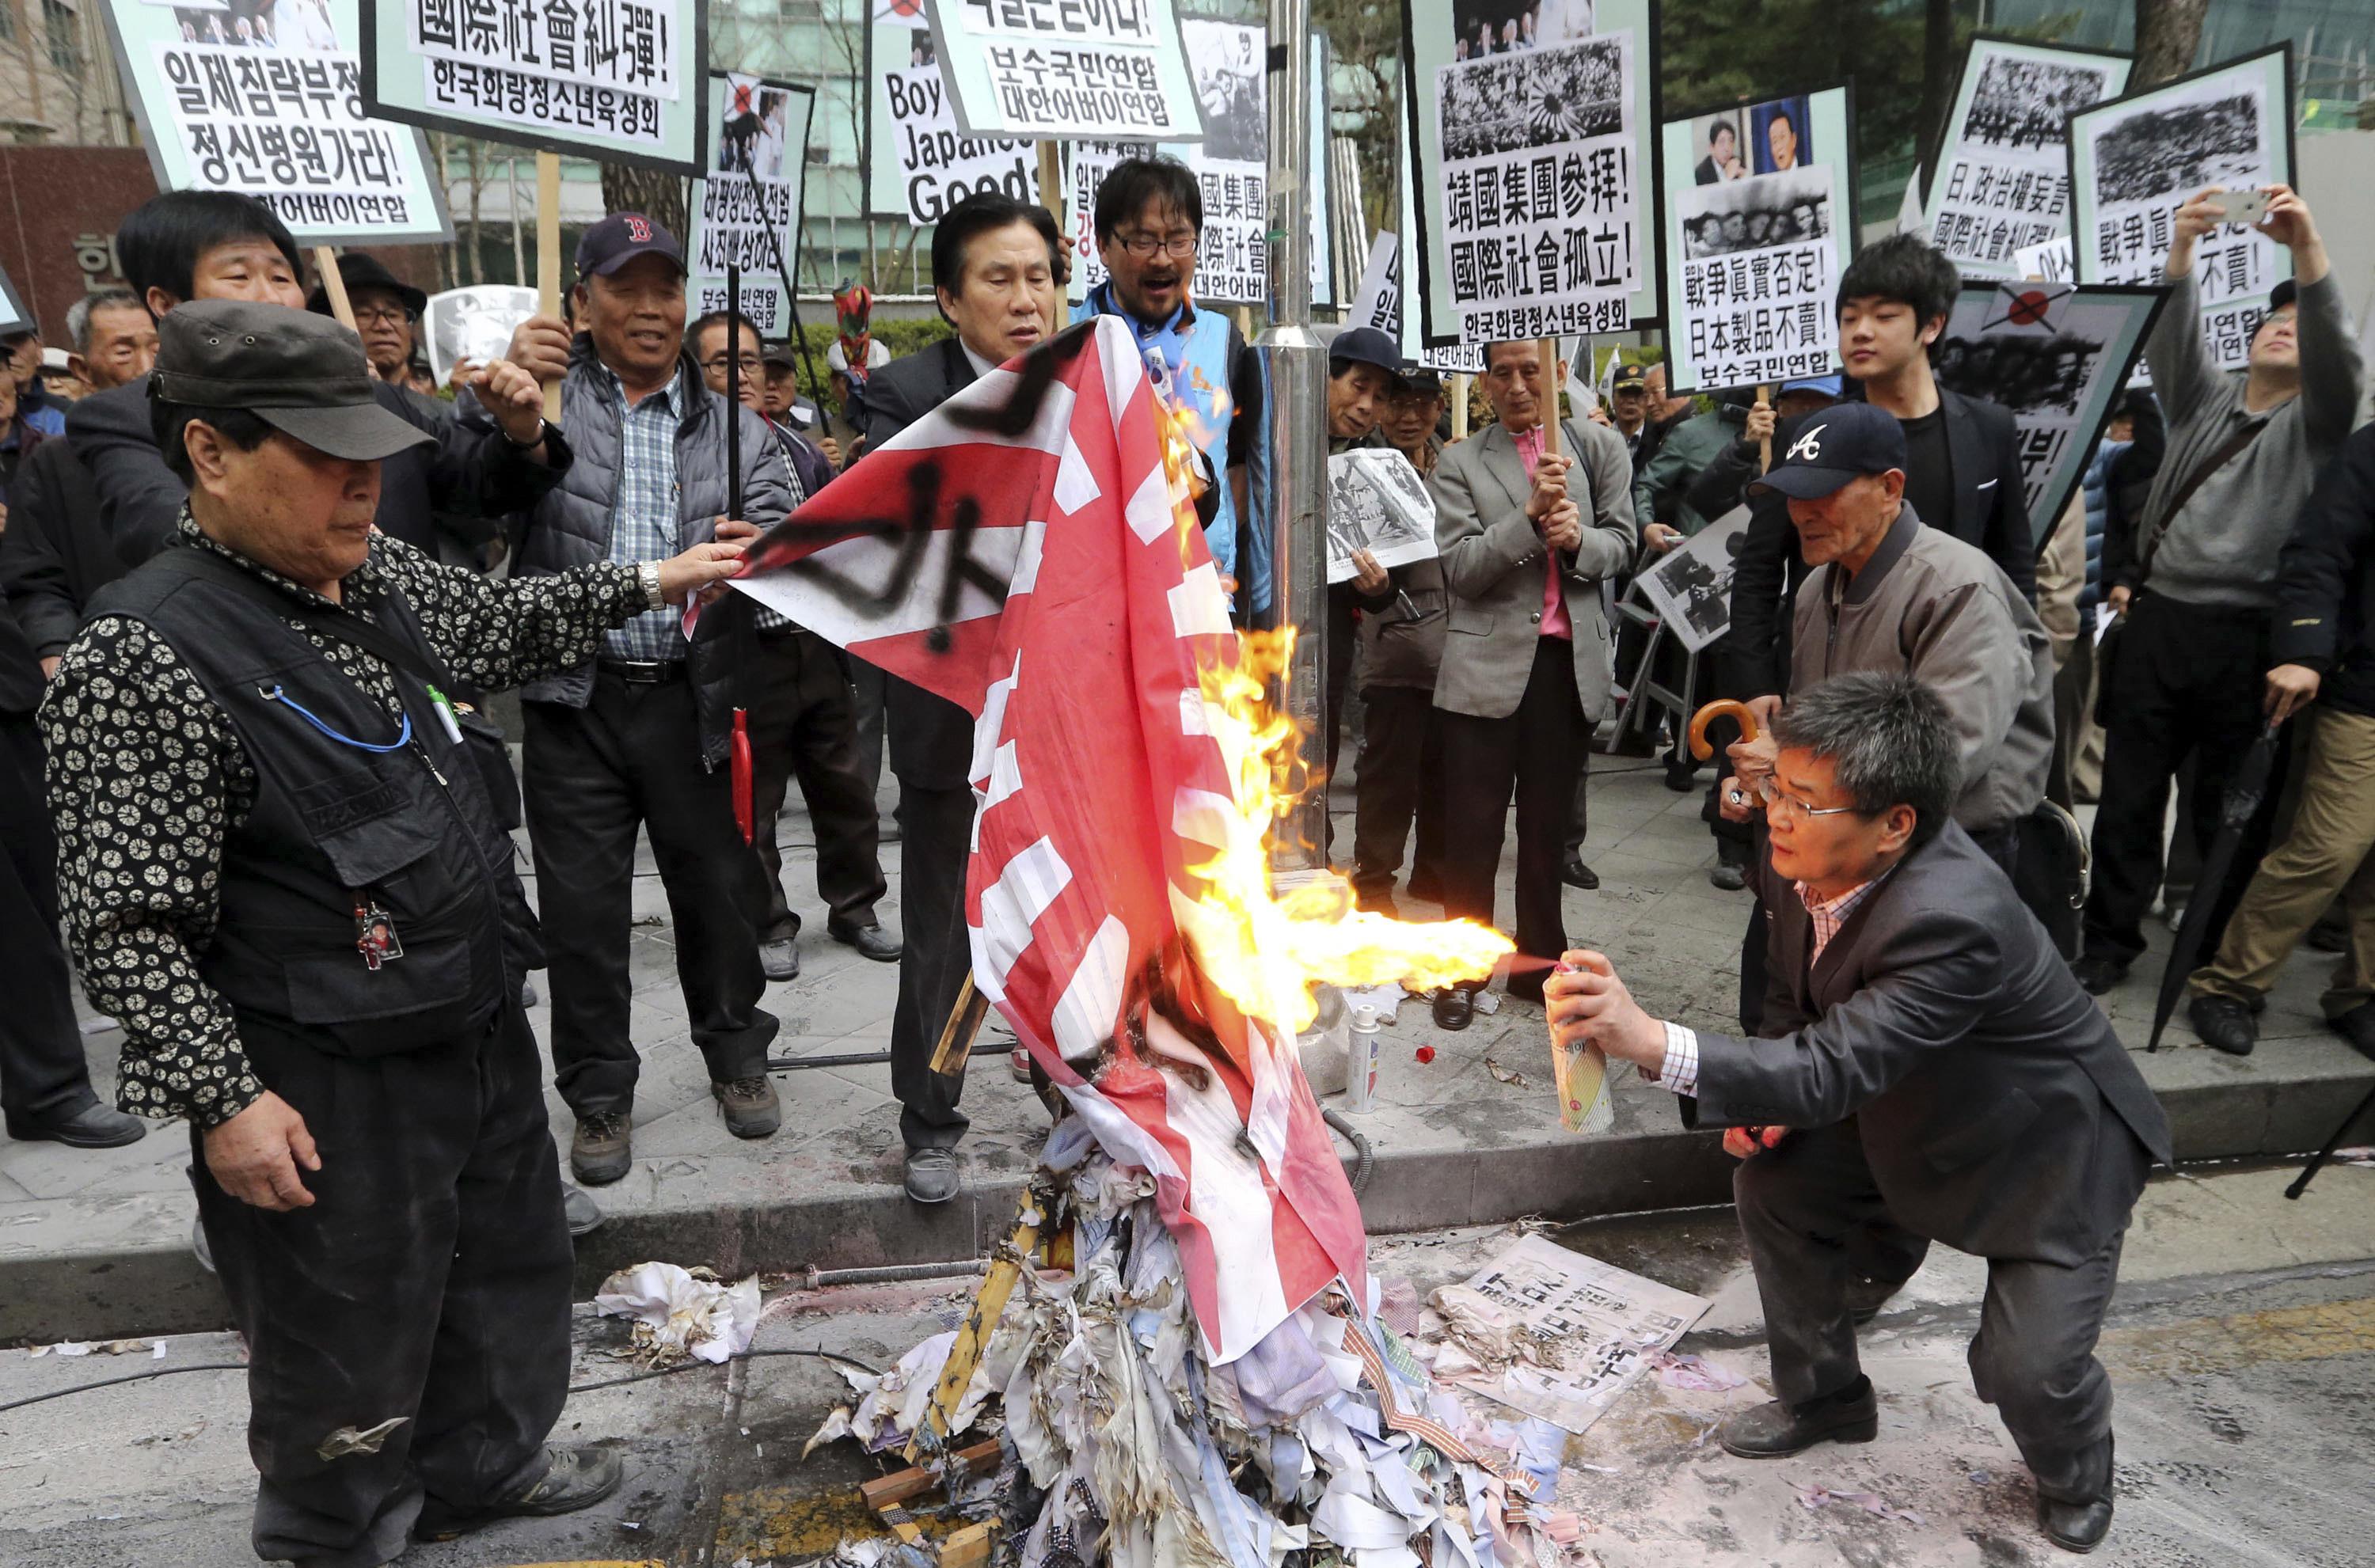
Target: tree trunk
[
  {"x": 2168, "y": 34},
  {"x": 657, "y": 195},
  {"x": 477, "y": 155},
  {"x": 1937, "y": 74}
]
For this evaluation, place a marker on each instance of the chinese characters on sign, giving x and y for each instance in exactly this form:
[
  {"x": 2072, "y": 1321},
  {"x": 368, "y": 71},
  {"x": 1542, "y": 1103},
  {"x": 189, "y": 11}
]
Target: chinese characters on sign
[
  {"x": 2003, "y": 183},
  {"x": 1047, "y": 69},
  {"x": 1538, "y": 204},
  {"x": 749, "y": 202}
]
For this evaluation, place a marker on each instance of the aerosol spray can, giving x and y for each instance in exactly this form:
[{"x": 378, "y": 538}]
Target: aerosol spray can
[{"x": 1360, "y": 1071}]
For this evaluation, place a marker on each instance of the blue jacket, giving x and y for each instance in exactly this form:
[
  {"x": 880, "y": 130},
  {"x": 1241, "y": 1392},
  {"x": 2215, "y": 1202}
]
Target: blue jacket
[{"x": 2099, "y": 502}]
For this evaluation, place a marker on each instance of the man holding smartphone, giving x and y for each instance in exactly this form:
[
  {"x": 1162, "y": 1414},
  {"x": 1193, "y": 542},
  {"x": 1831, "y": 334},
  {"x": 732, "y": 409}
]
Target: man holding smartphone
[{"x": 2196, "y": 585}]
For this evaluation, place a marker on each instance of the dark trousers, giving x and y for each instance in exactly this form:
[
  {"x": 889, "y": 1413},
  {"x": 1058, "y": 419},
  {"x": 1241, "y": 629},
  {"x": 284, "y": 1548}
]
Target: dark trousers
[
  {"x": 630, "y": 758},
  {"x": 42, "y": 1077},
  {"x": 1400, "y": 778},
  {"x": 1538, "y": 750},
  {"x": 803, "y": 726},
  {"x": 428, "y": 1280},
  {"x": 866, "y": 704},
  {"x": 1805, "y": 1208},
  {"x": 2187, "y": 682},
  {"x": 936, "y": 839}
]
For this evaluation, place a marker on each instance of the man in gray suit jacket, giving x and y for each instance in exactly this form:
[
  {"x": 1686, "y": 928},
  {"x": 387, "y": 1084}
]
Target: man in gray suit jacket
[
  {"x": 1935, "y": 1067},
  {"x": 1526, "y": 535}
]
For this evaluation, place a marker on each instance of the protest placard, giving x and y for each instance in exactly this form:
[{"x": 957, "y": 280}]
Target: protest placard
[
  {"x": 473, "y": 324},
  {"x": 2056, "y": 354},
  {"x": 270, "y": 105},
  {"x": 1047, "y": 70},
  {"x": 2000, "y": 181},
  {"x": 1534, "y": 148},
  {"x": 1231, "y": 168},
  {"x": 1756, "y": 236},
  {"x": 2135, "y": 160},
  {"x": 1377, "y": 302},
  {"x": 749, "y": 204},
  {"x": 1690, "y": 586},
  {"x": 2050, "y": 262},
  {"x": 935, "y": 165},
  {"x": 617, "y": 80},
  {"x": 1377, "y": 503}
]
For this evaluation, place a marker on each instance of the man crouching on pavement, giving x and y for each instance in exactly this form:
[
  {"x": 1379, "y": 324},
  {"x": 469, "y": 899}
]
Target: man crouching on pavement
[
  {"x": 1933, "y": 1063},
  {"x": 280, "y": 869}
]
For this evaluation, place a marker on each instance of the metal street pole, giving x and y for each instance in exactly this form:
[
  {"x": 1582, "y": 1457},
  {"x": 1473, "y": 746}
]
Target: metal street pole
[{"x": 1294, "y": 364}]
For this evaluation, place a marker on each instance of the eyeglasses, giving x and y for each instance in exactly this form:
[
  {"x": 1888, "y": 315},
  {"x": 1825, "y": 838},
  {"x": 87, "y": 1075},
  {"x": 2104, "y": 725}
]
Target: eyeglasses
[
  {"x": 1769, "y": 791},
  {"x": 749, "y": 363},
  {"x": 1180, "y": 247},
  {"x": 382, "y": 316}
]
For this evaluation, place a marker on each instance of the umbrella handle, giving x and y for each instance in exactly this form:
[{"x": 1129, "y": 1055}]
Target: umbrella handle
[
  {"x": 744, "y": 816},
  {"x": 1722, "y": 708}
]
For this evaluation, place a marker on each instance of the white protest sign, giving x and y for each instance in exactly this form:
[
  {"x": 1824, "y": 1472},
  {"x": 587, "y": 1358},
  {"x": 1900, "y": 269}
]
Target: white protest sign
[
  {"x": 1049, "y": 70},
  {"x": 749, "y": 204},
  {"x": 2003, "y": 180},
  {"x": 938, "y": 164},
  {"x": 2050, "y": 262},
  {"x": 1690, "y": 587},
  {"x": 1377, "y": 503},
  {"x": 617, "y": 79},
  {"x": 275, "y": 111},
  {"x": 1379, "y": 303}
]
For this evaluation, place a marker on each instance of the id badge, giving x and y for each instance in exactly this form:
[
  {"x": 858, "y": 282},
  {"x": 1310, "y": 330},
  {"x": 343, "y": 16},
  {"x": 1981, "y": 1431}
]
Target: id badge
[{"x": 375, "y": 935}]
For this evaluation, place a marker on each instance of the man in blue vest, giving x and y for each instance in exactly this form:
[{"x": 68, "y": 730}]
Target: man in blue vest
[{"x": 1149, "y": 213}]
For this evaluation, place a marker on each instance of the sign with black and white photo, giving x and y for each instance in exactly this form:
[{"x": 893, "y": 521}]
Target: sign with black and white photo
[
  {"x": 1377, "y": 503},
  {"x": 749, "y": 204},
  {"x": 617, "y": 79},
  {"x": 1232, "y": 172},
  {"x": 2001, "y": 180},
  {"x": 1533, "y": 147},
  {"x": 267, "y": 102},
  {"x": 1756, "y": 240},
  {"x": 2057, "y": 355},
  {"x": 1049, "y": 70},
  {"x": 473, "y": 326},
  {"x": 1690, "y": 587},
  {"x": 2135, "y": 160}
]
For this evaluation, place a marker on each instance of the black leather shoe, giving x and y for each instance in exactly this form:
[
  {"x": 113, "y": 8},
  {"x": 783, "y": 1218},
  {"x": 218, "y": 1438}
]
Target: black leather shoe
[
  {"x": 2224, "y": 1024},
  {"x": 574, "y": 1477},
  {"x": 1681, "y": 777},
  {"x": 870, "y": 940},
  {"x": 1424, "y": 885},
  {"x": 1729, "y": 878},
  {"x": 92, "y": 1126},
  {"x": 2098, "y": 974},
  {"x": 933, "y": 1175},
  {"x": 2075, "y": 1527},
  {"x": 1776, "y": 1431},
  {"x": 1576, "y": 874},
  {"x": 1455, "y": 1007}
]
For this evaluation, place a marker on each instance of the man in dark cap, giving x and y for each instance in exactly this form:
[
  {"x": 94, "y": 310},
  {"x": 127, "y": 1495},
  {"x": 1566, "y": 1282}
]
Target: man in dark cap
[
  {"x": 387, "y": 313},
  {"x": 284, "y": 882}
]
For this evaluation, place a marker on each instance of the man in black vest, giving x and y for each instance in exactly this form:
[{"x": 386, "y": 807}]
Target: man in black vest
[{"x": 285, "y": 879}]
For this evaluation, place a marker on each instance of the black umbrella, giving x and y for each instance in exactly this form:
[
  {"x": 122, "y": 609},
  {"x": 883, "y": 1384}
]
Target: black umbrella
[{"x": 2245, "y": 790}]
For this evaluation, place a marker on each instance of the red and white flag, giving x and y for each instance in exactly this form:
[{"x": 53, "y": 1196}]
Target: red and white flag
[{"x": 1023, "y": 553}]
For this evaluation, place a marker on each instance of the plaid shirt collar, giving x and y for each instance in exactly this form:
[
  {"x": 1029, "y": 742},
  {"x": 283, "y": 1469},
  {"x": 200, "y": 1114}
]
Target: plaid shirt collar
[
  {"x": 1828, "y": 917},
  {"x": 673, "y": 393}
]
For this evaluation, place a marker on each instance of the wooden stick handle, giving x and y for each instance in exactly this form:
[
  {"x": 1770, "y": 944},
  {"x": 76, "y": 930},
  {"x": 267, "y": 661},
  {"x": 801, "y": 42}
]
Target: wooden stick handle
[
  {"x": 1548, "y": 348},
  {"x": 547, "y": 257},
  {"x": 1764, "y": 447},
  {"x": 1459, "y": 408},
  {"x": 334, "y": 284},
  {"x": 955, "y": 1049}
]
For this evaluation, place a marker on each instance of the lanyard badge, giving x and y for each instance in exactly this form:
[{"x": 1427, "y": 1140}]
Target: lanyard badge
[{"x": 375, "y": 935}]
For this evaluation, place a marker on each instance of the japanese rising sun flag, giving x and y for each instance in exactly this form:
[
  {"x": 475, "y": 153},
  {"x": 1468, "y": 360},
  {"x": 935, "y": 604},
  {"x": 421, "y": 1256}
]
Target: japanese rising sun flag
[{"x": 1027, "y": 552}]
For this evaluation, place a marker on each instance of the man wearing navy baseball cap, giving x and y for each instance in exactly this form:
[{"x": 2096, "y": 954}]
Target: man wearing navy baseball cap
[{"x": 1886, "y": 595}]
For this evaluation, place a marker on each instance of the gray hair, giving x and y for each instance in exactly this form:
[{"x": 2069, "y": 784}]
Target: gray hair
[
  {"x": 1889, "y": 740},
  {"x": 78, "y": 314}
]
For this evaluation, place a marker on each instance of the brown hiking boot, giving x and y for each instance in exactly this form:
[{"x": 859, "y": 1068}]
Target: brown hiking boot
[
  {"x": 750, "y": 1107},
  {"x": 600, "y": 1153}
]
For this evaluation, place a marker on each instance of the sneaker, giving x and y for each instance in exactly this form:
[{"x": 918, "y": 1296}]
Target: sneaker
[
  {"x": 573, "y": 1477},
  {"x": 601, "y": 1153},
  {"x": 932, "y": 1175},
  {"x": 1018, "y": 1065},
  {"x": 1776, "y": 1431},
  {"x": 2223, "y": 1024},
  {"x": 749, "y": 1104},
  {"x": 89, "y": 1125},
  {"x": 2098, "y": 974},
  {"x": 780, "y": 959}
]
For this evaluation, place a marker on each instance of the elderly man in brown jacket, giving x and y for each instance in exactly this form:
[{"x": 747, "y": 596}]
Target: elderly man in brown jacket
[{"x": 1526, "y": 535}]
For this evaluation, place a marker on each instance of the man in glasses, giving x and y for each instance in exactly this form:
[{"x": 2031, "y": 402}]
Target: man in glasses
[
  {"x": 388, "y": 316},
  {"x": 1931, "y": 1067},
  {"x": 1148, "y": 212}
]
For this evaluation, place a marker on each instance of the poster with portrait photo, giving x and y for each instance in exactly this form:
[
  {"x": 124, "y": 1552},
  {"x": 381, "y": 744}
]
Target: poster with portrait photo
[
  {"x": 2057, "y": 355},
  {"x": 1378, "y": 502},
  {"x": 746, "y": 210},
  {"x": 1753, "y": 262},
  {"x": 2133, "y": 161},
  {"x": 2000, "y": 181},
  {"x": 1537, "y": 167},
  {"x": 474, "y": 325}
]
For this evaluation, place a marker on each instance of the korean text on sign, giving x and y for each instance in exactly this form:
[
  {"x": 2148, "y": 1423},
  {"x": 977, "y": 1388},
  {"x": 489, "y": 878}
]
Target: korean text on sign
[{"x": 288, "y": 129}]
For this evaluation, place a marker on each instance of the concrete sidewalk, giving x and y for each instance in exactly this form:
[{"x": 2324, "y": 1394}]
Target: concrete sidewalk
[{"x": 96, "y": 1244}]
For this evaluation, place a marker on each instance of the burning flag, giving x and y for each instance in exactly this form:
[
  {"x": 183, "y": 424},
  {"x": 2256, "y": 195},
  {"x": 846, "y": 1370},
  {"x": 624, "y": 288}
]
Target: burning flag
[{"x": 1026, "y": 551}]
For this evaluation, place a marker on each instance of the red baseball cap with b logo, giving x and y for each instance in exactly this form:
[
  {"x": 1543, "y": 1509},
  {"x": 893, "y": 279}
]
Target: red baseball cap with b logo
[{"x": 620, "y": 239}]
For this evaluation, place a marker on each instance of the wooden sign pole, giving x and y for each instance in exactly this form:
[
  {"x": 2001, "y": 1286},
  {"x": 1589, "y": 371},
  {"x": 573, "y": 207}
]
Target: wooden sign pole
[
  {"x": 1548, "y": 348},
  {"x": 334, "y": 284},
  {"x": 1764, "y": 447},
  {"x": 547, "y": 257},
  {"x": 1460, "y": 407},
  {"x": 1051, "y": 185}
]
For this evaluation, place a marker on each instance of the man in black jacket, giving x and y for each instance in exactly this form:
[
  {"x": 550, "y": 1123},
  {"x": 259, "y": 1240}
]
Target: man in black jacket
[
  {"x": 188, "y": 245},
  {"x": 55, "y": 556},
  {"x": 994, "y": 273},
  {"x": 2325, "y": 613}
]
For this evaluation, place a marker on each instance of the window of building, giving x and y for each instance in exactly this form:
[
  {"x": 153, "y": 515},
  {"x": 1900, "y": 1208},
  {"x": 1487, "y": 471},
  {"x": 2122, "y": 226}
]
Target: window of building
[{"x": 64, "y": 30}]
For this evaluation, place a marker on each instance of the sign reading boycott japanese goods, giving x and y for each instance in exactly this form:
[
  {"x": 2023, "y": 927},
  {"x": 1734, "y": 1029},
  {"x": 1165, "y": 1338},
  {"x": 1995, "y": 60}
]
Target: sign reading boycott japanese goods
[
  {"x": 1536, "y": 165},
  {"x": 617, "y": 79},
  {"x": 2003, "y": 180},
  {"x": 2135, "y": 160},
  {"x": 270, "y": 105},
  {"x": 1051, "y": 69},
  {"x": 1760, "y": 224},
  {"x": 2056, "y": 355},
  {"x": 748, "y": 204}
]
